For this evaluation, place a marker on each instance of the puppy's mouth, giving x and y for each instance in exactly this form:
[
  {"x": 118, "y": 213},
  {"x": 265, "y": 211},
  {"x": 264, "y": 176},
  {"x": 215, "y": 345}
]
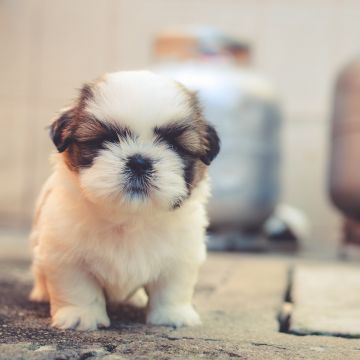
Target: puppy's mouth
[
  {"x": 139, "y": 173},
  {"x": 138, "y": 188}
]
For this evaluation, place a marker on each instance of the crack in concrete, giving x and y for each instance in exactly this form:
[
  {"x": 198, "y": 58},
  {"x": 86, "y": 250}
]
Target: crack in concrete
[
  {"x": 269, "y": 345},
  {"x": 169, "y": 337}
]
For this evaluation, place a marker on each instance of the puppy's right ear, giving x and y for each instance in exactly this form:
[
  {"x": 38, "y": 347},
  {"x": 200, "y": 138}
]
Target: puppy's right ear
[{"x": 60, "y": 132}]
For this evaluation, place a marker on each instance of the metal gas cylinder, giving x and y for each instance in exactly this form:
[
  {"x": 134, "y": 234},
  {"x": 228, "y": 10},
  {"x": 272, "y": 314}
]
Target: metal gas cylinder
[
  {"x": 242, "y": 106},
  {"x": 344, "y": 169}
]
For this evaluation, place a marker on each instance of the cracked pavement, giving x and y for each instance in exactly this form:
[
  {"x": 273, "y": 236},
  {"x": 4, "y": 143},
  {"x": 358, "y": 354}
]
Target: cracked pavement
[{"x": 238, "y": 298}]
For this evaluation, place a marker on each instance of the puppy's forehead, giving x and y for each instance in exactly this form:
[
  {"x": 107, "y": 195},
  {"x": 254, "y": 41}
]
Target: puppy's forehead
[{"x": 139, "y": 100}]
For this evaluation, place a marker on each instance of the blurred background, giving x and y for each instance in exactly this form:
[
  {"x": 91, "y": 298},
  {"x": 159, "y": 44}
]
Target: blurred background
[{"x": 49, "y": 48}]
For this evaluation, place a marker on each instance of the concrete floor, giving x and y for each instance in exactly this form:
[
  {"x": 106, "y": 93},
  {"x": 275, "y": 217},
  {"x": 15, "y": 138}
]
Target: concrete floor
[{"x": 238, "y": 297}]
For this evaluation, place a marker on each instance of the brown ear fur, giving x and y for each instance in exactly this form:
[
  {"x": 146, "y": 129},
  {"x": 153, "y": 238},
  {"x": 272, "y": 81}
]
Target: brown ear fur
[
  {"x": 213, "y": 145},
  {"x": 208, "y": 132},
  {"x": 61, "y": 130}
]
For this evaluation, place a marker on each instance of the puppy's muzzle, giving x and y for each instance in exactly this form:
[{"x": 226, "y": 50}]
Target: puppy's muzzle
[{"x": 139, "y": 171}]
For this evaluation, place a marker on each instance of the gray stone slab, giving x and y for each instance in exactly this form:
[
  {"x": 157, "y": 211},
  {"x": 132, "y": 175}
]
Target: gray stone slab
[{"x": 326, "y": 299}]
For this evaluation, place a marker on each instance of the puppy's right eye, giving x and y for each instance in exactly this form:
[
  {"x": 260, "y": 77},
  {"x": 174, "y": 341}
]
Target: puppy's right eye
[
  {"x": 97, "y": 141},
  {"x": 94, "y": 143},
  {"x": 94, "y": 133}
]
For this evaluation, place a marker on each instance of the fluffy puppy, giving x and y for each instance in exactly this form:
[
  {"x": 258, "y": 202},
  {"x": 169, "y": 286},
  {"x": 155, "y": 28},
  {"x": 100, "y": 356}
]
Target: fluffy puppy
[{"x": 125, "y": 206}]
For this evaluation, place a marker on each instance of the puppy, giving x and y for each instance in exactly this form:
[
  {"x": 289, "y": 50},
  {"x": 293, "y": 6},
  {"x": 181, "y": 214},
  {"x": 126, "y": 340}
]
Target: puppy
[{"x": 125, "y": 206}]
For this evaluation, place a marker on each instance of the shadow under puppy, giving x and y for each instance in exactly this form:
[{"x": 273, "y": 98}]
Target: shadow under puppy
[{"x": 124, "y": 209}]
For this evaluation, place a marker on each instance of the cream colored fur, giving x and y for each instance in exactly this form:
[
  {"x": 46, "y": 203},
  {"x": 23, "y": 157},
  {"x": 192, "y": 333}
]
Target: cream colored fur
[{"x": 91, "y": 244}]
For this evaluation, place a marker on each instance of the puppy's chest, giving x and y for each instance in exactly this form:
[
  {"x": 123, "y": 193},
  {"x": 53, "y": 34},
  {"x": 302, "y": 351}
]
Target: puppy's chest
[{"x": 127, "y": 259}]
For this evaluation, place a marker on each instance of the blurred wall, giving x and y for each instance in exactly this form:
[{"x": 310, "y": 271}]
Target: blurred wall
[{"x": 48, "y": 48}]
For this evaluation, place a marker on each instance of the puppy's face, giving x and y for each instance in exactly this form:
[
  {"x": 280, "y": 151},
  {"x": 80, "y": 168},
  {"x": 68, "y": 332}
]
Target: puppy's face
[{"x": 136, "y": 139}]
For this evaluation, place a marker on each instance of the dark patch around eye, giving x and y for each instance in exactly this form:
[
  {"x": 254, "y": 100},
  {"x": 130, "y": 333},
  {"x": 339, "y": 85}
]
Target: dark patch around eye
[
  {"x": 171, "y": 132},
  {"x": 91, "y": 138},
  {"x": 170, "y": 135},
  {"x": 189, "y": 170},
  {"x": 98, "y": 132},
  {"x": 83, "y": 154}
]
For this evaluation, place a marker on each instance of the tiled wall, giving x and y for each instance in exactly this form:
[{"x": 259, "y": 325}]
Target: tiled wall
[{"x": 48, "y": 48}]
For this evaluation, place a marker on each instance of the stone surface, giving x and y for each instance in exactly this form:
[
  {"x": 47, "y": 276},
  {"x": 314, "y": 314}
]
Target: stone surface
[
  {"x": 326, "y": 299},
  {"x": 237, "y": 296}
]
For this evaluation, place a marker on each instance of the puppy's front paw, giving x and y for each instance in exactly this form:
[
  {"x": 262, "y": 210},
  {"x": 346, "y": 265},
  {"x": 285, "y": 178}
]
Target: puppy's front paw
[
  {"x": 89, "y": 317},
  {"x": 177, "y": 316}
]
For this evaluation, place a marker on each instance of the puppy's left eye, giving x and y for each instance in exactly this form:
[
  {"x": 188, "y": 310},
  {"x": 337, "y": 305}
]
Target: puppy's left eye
[{"x": 181, "y": 138}]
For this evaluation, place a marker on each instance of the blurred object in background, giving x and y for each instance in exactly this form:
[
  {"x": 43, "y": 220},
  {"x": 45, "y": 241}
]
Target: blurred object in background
[
  {"x": 243, "y": 107},
  {"x": 349, "y": 248},
  {"x": 287, "y": 228},
  {"x": 344, "y": 171},
  {"x": 38, "y": 79}
]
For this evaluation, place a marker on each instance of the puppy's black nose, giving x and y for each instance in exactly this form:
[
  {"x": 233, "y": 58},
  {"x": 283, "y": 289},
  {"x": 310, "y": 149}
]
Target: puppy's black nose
[{"x": 139, "y": 165}]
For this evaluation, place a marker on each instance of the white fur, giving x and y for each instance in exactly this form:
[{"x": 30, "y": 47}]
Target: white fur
[
  {"x": 92, "y": 243},
  {"x": 140, "y": 99},
  {"x": 102, "y": 180}
]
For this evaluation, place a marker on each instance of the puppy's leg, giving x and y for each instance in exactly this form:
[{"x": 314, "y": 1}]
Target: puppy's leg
[
  {"x": 115, "y": 295},
  {"x": 39, "y": 291},
  {"x": 171, "y": 296},
  {"x": 77, "y": 300},
  {"x": 138, "y": 299}
]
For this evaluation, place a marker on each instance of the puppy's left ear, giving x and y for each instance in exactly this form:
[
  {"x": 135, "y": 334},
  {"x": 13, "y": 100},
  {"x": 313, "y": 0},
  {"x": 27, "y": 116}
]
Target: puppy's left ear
[{"x": 212, "y": 142}]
